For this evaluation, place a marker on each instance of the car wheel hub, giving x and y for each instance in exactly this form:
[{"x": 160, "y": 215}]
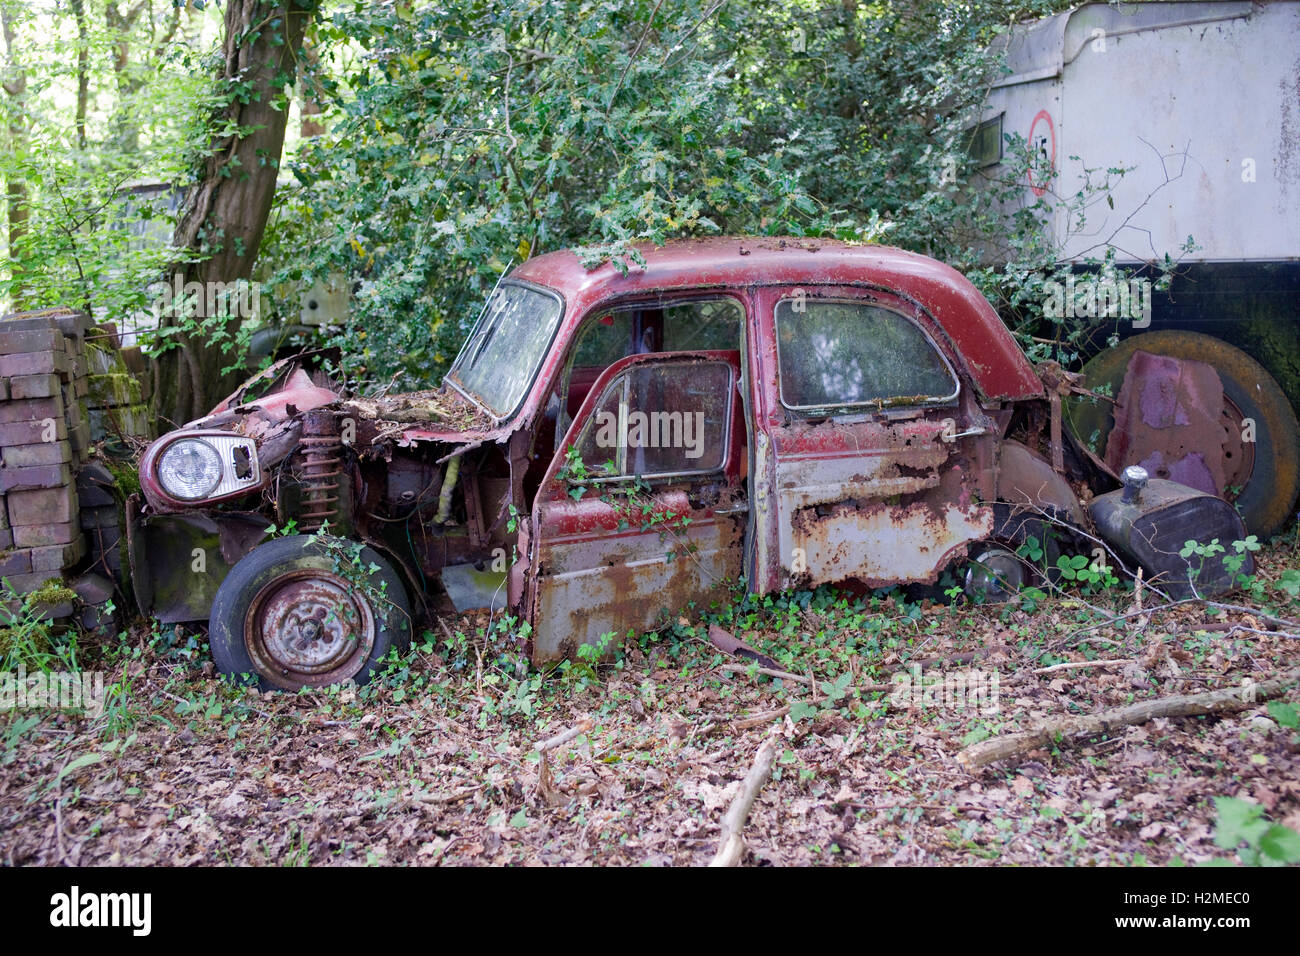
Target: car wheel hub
[
  {"x": 994, "y": 575},
  {"x": 309, "y": 628}
]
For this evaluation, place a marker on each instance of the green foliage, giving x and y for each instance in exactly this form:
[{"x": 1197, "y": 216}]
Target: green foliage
[
  {"x": 26, "y": 637},
  {"x": 1233, "y": 560},
  {"x": 93, "y": 238},
  {"x": 1265, "y": 843},
  {"x": 1089, "y": 573},
  {"x": 631, "y": 497},
  {"x": 1286, "y": 714},
  {"x": 1289, "y": 582},
  {"x": 466, "y": 136}
]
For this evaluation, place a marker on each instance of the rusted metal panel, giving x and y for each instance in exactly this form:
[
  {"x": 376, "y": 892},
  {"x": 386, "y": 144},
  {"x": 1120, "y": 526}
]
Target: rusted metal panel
[
  {"x": 179, "y": 560},
  {"x": 895, "y": 511},
  {"x": 1026, "y": 478},
  {"x": 592, "y": 585},
  {"x": 1170, "y": 419},
  {"x": 882, "y": 544}
]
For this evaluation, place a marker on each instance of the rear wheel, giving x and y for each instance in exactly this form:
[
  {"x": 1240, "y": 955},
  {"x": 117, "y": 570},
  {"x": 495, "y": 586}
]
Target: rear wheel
[
  {"x": 1261, "y": 477},
  {"x": 301, "y": 612},
  {"x": 1022, "y": 553}
]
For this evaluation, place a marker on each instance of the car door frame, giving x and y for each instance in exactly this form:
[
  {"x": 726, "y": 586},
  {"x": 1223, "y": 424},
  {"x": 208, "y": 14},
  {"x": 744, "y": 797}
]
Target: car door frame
[
  {"x": 882, "y": 495},
  {"x": 586, "y": 576}
]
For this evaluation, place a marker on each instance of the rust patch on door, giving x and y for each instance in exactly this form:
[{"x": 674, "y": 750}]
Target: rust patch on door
[
  {"x": 897, "y": 512},
  {"x": 882, "y": 543}
]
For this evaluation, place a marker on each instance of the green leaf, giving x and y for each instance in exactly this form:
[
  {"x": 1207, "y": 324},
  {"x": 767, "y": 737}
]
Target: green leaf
[
  {"x": 76, "y": 763},
  {"x": 802, "y": 710},
  {"x": 1238, "y": 822},
  {"x": 1280, "y": 843},
  {"x": 1284, "y": 713}
]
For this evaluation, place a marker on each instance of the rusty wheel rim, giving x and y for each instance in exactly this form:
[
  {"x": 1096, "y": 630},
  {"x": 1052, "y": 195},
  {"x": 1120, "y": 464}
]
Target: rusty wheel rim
[
  {"x": 1238, "y": 455},
  {"x": 308, "y": 628}
]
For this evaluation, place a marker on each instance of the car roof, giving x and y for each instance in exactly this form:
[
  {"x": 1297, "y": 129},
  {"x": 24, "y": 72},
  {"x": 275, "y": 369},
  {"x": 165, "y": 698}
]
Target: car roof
[{"x": 994, "y": 361}]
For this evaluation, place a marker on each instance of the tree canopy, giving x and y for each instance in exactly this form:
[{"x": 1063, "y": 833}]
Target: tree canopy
[{"x": 457, "y": 137}]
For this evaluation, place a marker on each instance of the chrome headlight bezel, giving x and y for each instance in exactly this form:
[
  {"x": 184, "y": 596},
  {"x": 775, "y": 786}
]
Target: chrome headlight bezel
[{"x": 236, "y": 456}]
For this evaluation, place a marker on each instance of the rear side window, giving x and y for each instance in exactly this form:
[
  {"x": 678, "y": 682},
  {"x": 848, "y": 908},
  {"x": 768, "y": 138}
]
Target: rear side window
[{"x": 842, "y": 353}]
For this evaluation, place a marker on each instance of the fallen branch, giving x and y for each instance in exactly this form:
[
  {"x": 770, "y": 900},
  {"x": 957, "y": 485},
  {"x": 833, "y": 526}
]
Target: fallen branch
[
  {"x": 1281, "y": 623},
  {"x": 766, "y": 672},
  {"x": 759, "y": 720},
  {"x": 732, "y": 846},
  {"x": 545, "y": 780},
  {"x": 1078, "y": 665},
  {"x": 564, "y": 737},
  {"x": 1071, "y": 729},
  {"x": 421, "y": 799}
]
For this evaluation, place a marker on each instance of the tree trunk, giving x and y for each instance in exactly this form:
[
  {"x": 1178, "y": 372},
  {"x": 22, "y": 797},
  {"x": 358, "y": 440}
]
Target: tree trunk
[
  {"x": 226, "y": 210},
  {"x": 15, "y": 87},
  {"x": 83, "y": 71},
  {"x": 310, "y": 93},
  {"x": 126, "y": 130}
]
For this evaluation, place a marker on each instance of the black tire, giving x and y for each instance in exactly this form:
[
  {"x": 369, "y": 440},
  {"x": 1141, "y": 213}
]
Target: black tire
[
  {"x": 1269, "y": 492},
  {"x": 1013, "y": 528},
  {"x": 279, "y": 612}
]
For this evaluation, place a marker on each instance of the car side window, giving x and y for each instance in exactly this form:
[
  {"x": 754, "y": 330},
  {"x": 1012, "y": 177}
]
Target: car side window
[
  {"x": 660, "y": 420},
  {"x": 709, "y": 325},
  {"x": 836, "y": 353},
  {"x": 604, "y": 341}
]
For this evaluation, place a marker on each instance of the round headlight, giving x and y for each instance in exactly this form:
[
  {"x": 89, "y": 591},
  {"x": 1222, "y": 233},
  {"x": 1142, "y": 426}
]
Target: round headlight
[{"x": 189, "y": 469}]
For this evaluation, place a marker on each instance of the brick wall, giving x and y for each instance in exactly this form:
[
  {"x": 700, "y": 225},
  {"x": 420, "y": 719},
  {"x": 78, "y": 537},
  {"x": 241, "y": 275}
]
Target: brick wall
[{"x": 63, "y": 387}]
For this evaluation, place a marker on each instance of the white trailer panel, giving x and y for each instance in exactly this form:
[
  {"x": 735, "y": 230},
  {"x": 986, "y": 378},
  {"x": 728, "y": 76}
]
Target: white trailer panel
[{"x": 1203, "y": 99}]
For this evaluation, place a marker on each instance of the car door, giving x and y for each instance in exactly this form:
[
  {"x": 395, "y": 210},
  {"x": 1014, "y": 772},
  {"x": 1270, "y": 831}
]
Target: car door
[
  {"x": 643, "y": 508},
  {"x": 873, "y": 460}
]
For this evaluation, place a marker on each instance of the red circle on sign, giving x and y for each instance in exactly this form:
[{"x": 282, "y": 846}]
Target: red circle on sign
[{"x": 1048, "y": 136}]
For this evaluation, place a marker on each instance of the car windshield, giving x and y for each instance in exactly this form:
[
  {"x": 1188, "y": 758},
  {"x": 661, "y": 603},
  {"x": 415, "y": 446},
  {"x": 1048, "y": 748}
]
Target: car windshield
[{"x": 504, "y": 352}]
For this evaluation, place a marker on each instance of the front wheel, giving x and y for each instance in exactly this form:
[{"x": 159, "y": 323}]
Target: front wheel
[{"x": 304, "y": 611}]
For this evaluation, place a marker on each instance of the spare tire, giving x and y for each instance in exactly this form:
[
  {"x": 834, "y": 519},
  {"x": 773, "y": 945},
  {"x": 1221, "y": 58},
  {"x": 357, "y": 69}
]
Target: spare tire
[{"x": 1267, "y": 481}]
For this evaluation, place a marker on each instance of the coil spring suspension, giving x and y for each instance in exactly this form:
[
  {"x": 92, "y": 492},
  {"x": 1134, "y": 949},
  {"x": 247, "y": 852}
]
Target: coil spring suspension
[{"x": 322, "y": 463}]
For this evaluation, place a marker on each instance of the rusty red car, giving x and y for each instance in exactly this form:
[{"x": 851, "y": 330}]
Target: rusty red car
[{"x": 617, "y": 443}]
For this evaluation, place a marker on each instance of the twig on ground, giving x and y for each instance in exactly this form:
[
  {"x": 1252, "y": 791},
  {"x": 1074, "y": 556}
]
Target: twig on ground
[
  {"x": 759, "y": 720},
  {"x": 766, "y": 672},
  {"x": 1079, "y": 665},
  {"x": 732, "y": 846},
  {"x": 564, "y": 736}
]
